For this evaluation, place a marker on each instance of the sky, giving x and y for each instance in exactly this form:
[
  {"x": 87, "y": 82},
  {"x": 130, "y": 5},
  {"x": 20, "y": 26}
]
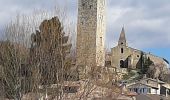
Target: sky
[{"x": 146, "y": 22}]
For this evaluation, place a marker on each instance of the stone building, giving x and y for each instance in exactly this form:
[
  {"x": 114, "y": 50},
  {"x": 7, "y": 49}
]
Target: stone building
[
  {"x": 124, "y": 57},
  {"x": 90, "y": 33}
]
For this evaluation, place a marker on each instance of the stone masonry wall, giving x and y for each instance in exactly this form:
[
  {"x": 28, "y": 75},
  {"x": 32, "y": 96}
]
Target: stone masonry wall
[{"x": 90, "y": 33}]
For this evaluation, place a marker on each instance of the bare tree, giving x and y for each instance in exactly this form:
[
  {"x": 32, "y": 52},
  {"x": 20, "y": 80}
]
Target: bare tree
[
  {"x": 12, "y": 57},
  {"x": 49, "y": 54},
  {"x": 15, "y": 58}
]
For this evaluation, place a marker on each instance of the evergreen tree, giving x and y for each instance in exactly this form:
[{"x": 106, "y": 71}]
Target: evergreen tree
[{"x": 146, "y": 62}]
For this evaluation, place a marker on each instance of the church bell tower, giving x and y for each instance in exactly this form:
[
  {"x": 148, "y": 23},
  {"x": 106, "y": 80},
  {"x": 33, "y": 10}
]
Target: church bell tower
[{"x": 122, "y": 38}]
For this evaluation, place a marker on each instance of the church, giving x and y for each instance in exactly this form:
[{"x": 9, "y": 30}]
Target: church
[{"x": 124, "y": 57}]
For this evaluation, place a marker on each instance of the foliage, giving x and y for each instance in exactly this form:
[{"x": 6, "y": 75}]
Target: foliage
[
  {"x": 146, "y": 62},
  {"x": 129, "y": 75},
  {"x": 146, "y": 65}
]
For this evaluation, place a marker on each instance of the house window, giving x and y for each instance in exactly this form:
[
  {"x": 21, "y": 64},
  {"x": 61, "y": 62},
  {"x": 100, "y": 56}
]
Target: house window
[
  {"x": 121, "y": 50},
  {"x": 143, "y": 90},
  {"x": 70, "y": 89},
  {"x": 147, "y": 81},
  {"x": 149, "y": 90},
  {"x": 140, "y": 90}
]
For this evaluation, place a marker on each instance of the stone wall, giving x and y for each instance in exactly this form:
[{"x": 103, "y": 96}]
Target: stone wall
[{"x": 130, "y": 56}]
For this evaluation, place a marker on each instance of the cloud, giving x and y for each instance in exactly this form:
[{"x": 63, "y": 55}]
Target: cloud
[{"x": 146, "y": 21}]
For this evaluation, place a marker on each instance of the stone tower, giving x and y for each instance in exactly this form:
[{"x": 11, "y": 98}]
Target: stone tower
[{"x": 90, "y": 33}]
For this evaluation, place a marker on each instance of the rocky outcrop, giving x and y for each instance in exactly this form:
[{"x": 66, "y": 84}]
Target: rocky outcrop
[{"x": 158, "y": 70}]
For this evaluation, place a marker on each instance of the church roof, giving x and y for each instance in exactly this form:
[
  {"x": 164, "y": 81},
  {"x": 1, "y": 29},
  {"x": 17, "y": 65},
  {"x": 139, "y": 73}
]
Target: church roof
[{"x": 122, "y": 35}]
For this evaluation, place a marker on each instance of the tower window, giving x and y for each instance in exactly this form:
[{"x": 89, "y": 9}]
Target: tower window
[
  {"x": 90, "y": 6},
  {"x": 101, "y": 40},
  {"x": 83, "y": 4},
  {"x": 121, "y": 43},
  {"x": 99, "y": 76},
  {"x": 121, "y": 50}
]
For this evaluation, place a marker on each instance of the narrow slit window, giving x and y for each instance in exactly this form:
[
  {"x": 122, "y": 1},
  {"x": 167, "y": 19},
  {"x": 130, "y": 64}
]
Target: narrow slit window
[
  {"x": 101, "y": 40},
  {"x": 83, "y": 4},
  {"x": 121, "y": 50},
  {"x": 90, "y": 6}
]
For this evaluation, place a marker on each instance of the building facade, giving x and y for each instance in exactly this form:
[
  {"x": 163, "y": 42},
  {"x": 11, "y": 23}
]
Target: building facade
[
  {"x": 149, "y": 86},
  {"x": 124, "y": 57},
  {"x": 90, "y": 33}
]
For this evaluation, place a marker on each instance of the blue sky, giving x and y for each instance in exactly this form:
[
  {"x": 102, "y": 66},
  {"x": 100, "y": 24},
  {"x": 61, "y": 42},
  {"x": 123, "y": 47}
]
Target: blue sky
[
  {"x": 146, "y": 22},
  {"x": 163, "y": 52}
]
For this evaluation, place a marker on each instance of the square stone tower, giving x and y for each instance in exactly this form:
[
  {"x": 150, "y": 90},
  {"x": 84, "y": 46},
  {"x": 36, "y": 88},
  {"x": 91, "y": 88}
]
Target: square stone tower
[{"x": 91, "y": 28}]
